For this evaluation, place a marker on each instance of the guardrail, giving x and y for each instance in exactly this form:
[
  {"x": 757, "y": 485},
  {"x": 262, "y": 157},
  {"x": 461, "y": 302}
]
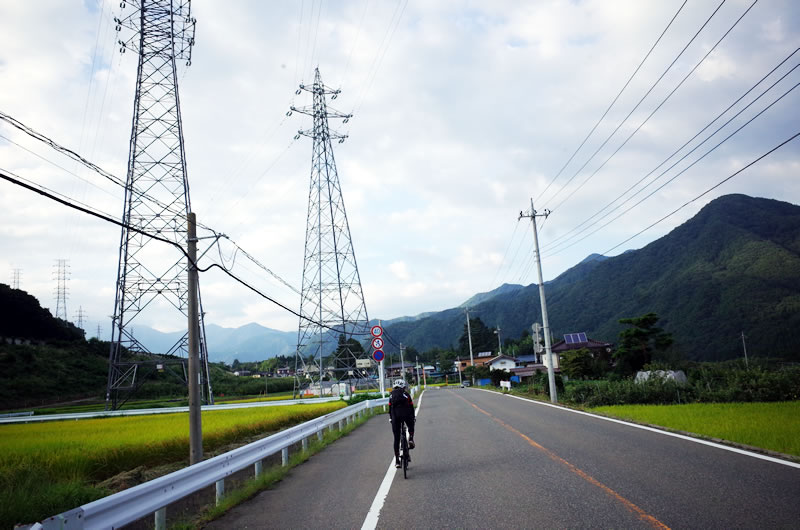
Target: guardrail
[
  {"x": 154, "y": 496},
  {"x": 29, "y": 418}
]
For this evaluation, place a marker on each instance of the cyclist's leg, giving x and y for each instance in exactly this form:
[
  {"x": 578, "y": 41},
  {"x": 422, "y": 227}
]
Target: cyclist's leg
[
  {"x": 410, "y": 421},
  {"x": 396, "y": 433}
]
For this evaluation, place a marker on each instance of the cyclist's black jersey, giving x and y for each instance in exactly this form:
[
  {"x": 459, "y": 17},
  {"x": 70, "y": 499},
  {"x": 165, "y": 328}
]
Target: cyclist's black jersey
[{"x": 400, "y": 403}]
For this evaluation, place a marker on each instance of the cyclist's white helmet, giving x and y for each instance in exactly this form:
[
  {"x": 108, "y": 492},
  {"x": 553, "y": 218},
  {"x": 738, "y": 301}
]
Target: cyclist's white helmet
[{"x": 399, "y": 383}]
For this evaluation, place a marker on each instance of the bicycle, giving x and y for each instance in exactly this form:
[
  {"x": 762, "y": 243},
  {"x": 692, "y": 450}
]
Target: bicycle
[{"x": 405, "y": 455}]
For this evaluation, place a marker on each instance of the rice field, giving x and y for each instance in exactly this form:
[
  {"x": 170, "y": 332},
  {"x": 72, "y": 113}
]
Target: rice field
[
  {"x": 773, "y": 426},
  {"x": 47, "y": 468}
]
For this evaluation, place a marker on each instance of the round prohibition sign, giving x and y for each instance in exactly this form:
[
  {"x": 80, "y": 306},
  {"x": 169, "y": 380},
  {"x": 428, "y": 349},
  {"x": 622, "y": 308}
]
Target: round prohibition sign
[
  {"x": 377, "y": 343},
  {"x": 376, "y": 331},
  {"x": 378, "y": 355}
]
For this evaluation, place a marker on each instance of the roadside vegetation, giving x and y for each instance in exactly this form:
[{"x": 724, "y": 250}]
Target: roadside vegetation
[
  {"x": 48, "y": 468},
  {"x": 771, "y": 426}
]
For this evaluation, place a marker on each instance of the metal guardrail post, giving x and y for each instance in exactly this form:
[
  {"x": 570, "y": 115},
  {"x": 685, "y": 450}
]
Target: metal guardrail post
[
  {"x": 285, "y": 456},
  {"x": 305, "y": 444},
  {"x": 161, "y": 519},
  {"x": 320, "y": 434},
  {"x": 220, "y": 487},
  {"x": 259, "y": 467}
]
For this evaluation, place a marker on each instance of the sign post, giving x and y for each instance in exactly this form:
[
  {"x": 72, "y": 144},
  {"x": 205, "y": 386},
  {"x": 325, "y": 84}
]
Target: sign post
[{"x": 376, "y": 332}]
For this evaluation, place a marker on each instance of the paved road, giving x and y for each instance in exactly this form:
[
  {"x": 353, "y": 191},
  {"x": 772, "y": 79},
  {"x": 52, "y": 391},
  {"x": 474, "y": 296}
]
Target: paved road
[{"x": 490, "y": 461}]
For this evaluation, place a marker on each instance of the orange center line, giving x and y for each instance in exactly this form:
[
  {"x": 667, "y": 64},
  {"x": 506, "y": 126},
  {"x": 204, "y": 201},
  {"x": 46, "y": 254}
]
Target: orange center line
[{"x": 655, "y": 523}]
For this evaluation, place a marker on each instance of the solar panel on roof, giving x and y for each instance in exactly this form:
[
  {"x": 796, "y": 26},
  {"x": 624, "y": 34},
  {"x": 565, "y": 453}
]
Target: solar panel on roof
[
  {"x": 568, "y": 338},
  {"x": 582, "y": 337}
]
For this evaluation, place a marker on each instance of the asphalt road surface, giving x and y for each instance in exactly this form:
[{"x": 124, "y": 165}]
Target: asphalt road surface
[{"x": 484, "y": 460}]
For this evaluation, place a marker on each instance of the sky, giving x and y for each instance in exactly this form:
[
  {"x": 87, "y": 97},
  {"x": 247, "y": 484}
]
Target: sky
[{"x": 464, "y": 112}]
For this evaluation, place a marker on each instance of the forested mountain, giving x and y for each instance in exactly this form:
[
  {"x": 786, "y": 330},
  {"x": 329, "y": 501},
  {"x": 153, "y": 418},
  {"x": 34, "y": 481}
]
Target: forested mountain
[
  {"x": 22, "y": 317},
  {"x": 733, "y": 267}
]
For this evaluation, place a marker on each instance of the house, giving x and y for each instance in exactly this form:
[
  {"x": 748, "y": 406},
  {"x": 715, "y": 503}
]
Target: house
[
  {"x": 284, "y": 372},
  {"x": 502, "y": 362},
  {"x": 394, "y": 370},
  {"x": 578, "y": 341},
  {"x": 480, "y": 359}
]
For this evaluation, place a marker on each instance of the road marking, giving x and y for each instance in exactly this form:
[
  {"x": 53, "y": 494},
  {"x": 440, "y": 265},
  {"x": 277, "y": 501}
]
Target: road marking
[
  {"x": 371, "y": 521},
  {"x": 652, "y": 521},
  {"x": 664, "y": 432}
]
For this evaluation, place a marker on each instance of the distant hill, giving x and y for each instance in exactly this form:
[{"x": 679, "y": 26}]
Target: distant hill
[
  {"x": 251, "y": 342},
  {"x": 733, "y": 267}
]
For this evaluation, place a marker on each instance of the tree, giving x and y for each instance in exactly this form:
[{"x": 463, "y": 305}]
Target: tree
[
  {"x": 638, "y": 344},
  {"x": 483, "y": 338},
  {"x": 446, "y": 361},
  {"x": 577, "y": 364}
]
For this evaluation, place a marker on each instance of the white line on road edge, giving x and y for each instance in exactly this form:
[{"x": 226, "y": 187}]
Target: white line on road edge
[
  {"x": 371, "y": 522},
  {"x": 659, "y": 431}
]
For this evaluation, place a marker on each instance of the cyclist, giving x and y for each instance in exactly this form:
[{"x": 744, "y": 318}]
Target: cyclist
[{"x": 401, "y": 409}]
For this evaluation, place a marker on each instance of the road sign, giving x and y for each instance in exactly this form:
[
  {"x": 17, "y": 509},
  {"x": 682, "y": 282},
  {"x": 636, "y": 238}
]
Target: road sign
[
  {"x": 378, "y": 355},
  {"x": 377, "y": 343},
  {"x": 376, "y": 331},
  {"x": 363, "y": 363}
]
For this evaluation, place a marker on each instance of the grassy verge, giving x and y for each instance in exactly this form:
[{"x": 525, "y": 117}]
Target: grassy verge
[
  {"x": 267, "y": 479},
  {"x": 773, "y": 426},
  {"x": 48, "y": 468}
]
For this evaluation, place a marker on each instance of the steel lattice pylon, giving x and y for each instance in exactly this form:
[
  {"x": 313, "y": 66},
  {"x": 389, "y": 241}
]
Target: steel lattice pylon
[
  {"x": 150, "y": 276},
  {"x": 332, "y": 301}
]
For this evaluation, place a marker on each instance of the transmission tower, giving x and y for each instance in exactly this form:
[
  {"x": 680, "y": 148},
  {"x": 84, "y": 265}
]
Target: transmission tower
[
  {"x": 332, "y": 301},
  {"x": 152, "y": 278},
  {"x": 61, "y": 276},
  {"x": 80, "y": 317},
  {"x": 16, "y": 276}
]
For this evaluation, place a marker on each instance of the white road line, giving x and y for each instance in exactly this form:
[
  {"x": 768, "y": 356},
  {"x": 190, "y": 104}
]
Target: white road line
[
  {"x": 659, "y": 431},
  {"x": 371, "y": 521}
]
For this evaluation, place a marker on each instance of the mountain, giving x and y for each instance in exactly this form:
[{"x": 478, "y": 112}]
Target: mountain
[
  {"x": 506, "y": 288},
  {"x": 251, "y": 342},
  {"x": 733, "y": 267}
]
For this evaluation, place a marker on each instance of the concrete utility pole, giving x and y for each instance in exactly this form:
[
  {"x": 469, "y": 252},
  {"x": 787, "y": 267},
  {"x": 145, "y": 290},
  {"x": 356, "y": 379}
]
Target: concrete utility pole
[
  {"x": 402, "y": 364},
  {"x": 195, "y": 420},
  {"x": 469, "y": 338},
  {"x": 548, "y": 351},
  {"x": 499, "y": 343},
  {"x": 744, "y": 346}
]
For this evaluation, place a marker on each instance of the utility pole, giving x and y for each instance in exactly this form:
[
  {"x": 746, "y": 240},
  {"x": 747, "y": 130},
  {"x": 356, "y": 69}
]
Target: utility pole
[
  {"x": 469, "y": 338},
  {"x": 548, "y": 351},
  {"x": 402, "y": 363},
  {"x": 499, "y": 344},
  {"x": 744, "y": 347},
  {"x": 99, "y": 330},
  {"x": 195, "y": 373}
]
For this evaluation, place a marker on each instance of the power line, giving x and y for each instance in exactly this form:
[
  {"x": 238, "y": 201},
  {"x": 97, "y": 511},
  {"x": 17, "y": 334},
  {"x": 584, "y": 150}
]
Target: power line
[
  {"x": 715, "y": 186},
  {"x": 668, "y": 96},
  {"x": 564, "y": 238},
  {"x": 614, "y": 101},
  {"x": 107, "y": 218},
  {"x": 652, "y": 87},
  {"x": 684, "y": 169}
]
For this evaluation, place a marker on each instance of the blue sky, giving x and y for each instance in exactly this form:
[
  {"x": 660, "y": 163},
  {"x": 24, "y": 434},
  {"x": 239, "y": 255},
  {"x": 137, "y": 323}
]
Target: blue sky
[{"x": 464, "y": 111}]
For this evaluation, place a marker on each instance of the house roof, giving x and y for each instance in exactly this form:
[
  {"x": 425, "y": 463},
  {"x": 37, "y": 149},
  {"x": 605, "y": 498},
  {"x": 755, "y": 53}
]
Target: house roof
[
  {"x": 526, "y": 358},
  {"x": 562, "y": 346},
  {"x": 500, "y": 358}
]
